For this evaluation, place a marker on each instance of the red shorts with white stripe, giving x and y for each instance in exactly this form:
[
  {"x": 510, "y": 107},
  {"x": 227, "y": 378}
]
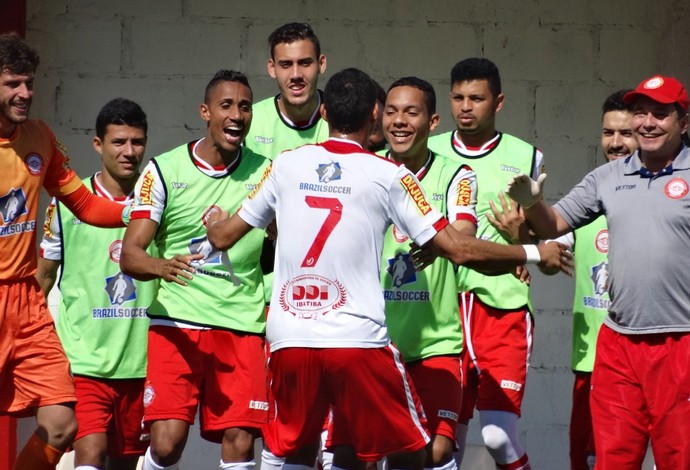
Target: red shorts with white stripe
[
  {"x": 113, "y": 407},
  {"x": 438, "y": 381},
  {"x": 368, "y": 388},
  {"x": 222, "y": 372},
  {"x": 641, "y": 392},
  {"x": 495, "y": 357}
]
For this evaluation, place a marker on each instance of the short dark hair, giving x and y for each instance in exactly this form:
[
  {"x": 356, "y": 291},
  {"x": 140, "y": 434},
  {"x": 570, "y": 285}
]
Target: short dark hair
[
  {"x": 291, "y": 32},
  {"x": 614, "y": 102},
  {"x": 16, "y": 56},
  {"x": 226, "y": 76},
  {"x": 477, "y": 68},
  {"x": 121, "y": 112},
  {"x": 425, "y": 87},
  {"x": 380, "y": 92},
  {"x": 349, "y": 98}
]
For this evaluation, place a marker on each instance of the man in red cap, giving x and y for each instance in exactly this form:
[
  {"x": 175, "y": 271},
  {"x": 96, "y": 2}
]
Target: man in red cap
[{"x": 641, "y": 378}]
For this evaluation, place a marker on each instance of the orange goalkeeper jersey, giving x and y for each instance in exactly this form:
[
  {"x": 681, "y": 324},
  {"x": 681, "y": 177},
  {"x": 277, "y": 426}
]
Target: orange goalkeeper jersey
[{"x": 29, "y": 159}]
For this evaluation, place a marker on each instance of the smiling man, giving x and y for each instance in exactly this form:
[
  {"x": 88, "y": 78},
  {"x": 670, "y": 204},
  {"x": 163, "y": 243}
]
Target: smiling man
[
  {"x": 641, "y": 375},
  {"x": 292, "y": 117},
  {"x": 102, "y": 321},
  {"x": 206, "y": 346}
]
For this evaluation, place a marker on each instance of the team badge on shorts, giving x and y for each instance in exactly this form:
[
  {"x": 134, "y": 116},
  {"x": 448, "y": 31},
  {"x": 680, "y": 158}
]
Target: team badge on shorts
[
  {"x": 676, "y": 188},
  {"x": 149, "y": 395},
  {"x": 34, "y": 163}
]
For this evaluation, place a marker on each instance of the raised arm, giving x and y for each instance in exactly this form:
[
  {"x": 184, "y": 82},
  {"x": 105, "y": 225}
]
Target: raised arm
[
  {"x": 544, "y": 220},
  {"x": 487, "y": 256},
  {"x": 224, "y": 231}
]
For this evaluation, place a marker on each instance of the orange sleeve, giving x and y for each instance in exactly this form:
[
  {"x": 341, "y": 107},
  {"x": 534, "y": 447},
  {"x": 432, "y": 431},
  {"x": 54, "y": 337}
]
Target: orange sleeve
[
  {"x": 92, "y": 209},
  {"x": 59, "y": 177}
]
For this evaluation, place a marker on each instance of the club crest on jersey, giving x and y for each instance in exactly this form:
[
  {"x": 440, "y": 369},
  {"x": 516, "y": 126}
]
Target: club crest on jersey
[
  {"x": 34, "y": 163},
  {"x": 329, "y": 172},
  {"x": 114, "y": 251},
  {"x": 399, "y": 235},
  {"x": 120, "y": 288},
  {"x": 416, "y": 193},
  {"x": 12, "y": 205},
  {"x": 601, "y": 241},
  {"x": 401, "y": 270},
  {"x": 676, "y": 188},
  {"x": 308, "y": 296}
]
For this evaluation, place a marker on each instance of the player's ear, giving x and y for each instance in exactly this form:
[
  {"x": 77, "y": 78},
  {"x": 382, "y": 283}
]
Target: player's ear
[
  {"x": 98, "y": 145},
  {"x": 205, "y": 112},
  {"x": 271, "y": 67},
  {"x": 322, "y": 64},
  {"x": 499, "y": 102},
  {"x": 433, "y": 121},
  {"x": 322, "y": 111}
]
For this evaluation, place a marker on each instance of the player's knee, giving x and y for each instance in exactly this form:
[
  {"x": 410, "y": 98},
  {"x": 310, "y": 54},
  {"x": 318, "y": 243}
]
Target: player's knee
[
  {"x": 165, "y": 449},
  {"x": 59, "y": 430},
  {"x": 439, "y": 451},
  {"x": 496, "y": 439},
  {"x": 239, "y": 443}
]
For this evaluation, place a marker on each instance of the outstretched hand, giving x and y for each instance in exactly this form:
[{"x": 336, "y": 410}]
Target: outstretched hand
[
  {"x": 525, "y": 191},
  {"x": 508, "y": 220},
  {"x": 556, "y": 256}
]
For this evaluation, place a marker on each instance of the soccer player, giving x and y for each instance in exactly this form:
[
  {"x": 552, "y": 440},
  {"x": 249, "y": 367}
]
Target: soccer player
[
  {"x": 34, "y": 371},
  {"x": 292, "y": 117},
  {"x": 495, "y": 310},
  {"x": 641, "y": 378},
  {"x": 206, "y": 339},
  {"x": 102, "y": 320},
  {"x": 422, "y": 307},
  {"x": 327, "y": 330}
]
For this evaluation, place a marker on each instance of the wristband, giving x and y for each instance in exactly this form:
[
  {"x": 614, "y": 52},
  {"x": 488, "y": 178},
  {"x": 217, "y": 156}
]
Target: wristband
[{"x": 532, "y": 253}]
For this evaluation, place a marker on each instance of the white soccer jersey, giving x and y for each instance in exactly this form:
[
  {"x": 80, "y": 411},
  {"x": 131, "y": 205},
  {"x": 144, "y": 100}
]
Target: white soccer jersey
[{"x": 334, "y": 203}]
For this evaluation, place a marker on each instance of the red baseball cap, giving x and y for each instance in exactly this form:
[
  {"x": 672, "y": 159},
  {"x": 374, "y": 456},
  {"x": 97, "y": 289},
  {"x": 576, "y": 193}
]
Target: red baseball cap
[{"x": 661, "y": 89}]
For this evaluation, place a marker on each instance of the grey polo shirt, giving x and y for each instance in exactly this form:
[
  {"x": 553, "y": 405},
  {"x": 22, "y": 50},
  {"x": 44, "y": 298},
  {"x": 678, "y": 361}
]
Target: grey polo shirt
[{"x": 649, "y": 240}]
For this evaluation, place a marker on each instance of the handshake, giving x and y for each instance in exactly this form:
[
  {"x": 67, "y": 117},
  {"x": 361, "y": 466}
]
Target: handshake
[{"x": 525, "y": 191}]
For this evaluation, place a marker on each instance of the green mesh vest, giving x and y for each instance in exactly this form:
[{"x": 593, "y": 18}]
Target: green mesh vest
[
  {"x": 591, "y": 297},
  {"x": 494, "y": 169},
  {"x": 422, "y": 307},
  {"x": 227, "y": 289},
  {"x": 102, "y": 320}
]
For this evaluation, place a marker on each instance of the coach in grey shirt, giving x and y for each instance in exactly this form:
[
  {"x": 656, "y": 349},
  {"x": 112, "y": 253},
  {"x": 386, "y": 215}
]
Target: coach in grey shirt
[{"x": 641, "y": 377}]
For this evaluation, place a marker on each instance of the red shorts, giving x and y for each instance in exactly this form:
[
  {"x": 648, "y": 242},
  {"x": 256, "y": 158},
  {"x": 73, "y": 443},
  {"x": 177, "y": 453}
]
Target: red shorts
[
  {"x": 641, "y": 391},
  {"x": 34, "y": 370},
  {"x": 114, "y": 407},
  {"x": 370, "y": 392},
  {"x": 222, "y": 372},
  {"x": 438, "y": 381},
  {"x": 581, "y": 437},
  {"x": 495, "y": 357}
]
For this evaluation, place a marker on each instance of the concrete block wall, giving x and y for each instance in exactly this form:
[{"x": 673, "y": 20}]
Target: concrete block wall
[{"x": 558, "y": 60}]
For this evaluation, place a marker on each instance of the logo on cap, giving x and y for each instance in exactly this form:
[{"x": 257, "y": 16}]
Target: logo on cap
[{"x": 654, "y": 82}]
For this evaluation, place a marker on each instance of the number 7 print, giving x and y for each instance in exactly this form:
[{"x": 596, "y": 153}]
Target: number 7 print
[{"x": 335, "y": 213}]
